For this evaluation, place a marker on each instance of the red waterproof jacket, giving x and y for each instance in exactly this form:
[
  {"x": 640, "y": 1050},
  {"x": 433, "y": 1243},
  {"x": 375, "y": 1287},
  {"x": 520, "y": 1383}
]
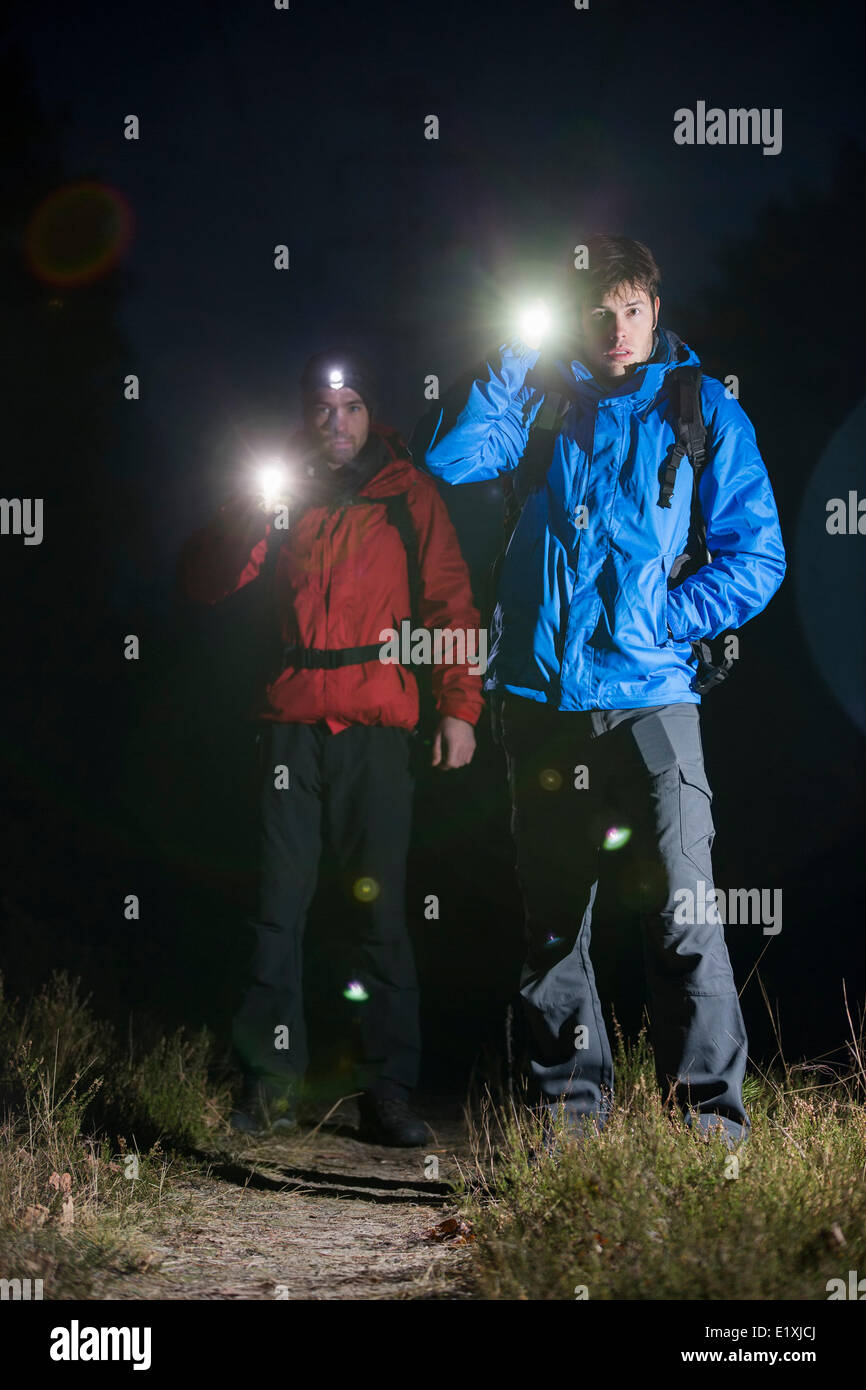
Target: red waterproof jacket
[{"x": 340, "y": 577}]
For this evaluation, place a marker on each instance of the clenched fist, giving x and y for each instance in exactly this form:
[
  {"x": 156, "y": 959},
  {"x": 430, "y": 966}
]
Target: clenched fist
[{"x": 453, "y": 743}]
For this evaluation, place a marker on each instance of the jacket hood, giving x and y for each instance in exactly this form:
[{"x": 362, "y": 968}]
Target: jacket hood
[{"x": 637, "y": 390}]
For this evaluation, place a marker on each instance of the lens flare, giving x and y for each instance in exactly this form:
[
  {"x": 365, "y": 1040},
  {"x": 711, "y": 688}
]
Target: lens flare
[
  {"x": 550, "y": 779},
  {"x": 831, "y": 563},
  {"x": 78, "y": 233},
  {"x": 616, "y": 836},
  {"x": 366, "y": 890}
]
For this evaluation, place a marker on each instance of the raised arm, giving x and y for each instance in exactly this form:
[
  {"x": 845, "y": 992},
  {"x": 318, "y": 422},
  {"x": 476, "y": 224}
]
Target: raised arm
[
  {"x": 224, "y": 555},
  {"x": 480, "y": 427}
]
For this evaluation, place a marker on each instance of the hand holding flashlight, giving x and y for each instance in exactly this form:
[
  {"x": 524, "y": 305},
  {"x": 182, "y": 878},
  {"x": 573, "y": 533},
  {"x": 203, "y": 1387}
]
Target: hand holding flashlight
[
  {"x": 534, "y": 323},
  {"x": 272, "y": 485}
]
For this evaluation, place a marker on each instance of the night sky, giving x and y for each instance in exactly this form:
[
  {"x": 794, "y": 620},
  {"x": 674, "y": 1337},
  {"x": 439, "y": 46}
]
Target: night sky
[{"x": 306, "y": 127}]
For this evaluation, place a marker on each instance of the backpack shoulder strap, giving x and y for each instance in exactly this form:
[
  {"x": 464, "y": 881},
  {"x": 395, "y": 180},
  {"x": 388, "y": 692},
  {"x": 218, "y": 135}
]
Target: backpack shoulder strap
[
  {"x": 550, "y": 413},
  {"x": 537, "y": 456},
  {"x": 692, "y": 441},
  {"x": 691, "y": 432},
  {"x": 400, "y": 517}
]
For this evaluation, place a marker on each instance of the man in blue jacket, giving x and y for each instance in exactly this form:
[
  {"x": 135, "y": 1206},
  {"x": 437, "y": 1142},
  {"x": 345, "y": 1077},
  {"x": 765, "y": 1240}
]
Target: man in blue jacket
[{"x": 592, "y": 668}]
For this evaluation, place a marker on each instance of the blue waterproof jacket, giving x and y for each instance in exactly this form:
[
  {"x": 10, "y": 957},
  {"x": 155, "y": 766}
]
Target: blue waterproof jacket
[{"x": 584, "y": 617}]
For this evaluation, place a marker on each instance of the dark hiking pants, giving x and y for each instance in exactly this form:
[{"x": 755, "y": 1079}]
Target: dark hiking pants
[
  {"x": 356, "y": 787},
  {"x": 645, "y": 773}
]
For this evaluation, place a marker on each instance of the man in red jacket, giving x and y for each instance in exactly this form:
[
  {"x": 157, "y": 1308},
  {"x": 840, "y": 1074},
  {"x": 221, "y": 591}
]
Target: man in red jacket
[{"x": 368, "y": 545}]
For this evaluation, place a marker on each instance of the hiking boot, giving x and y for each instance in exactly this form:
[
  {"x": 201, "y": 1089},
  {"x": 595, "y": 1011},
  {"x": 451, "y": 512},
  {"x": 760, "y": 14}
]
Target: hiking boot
[
  {"x": 387, "y": 1119},
  {"x": 264, "y": 1108},
  {"x": 731, "y": 1132},
  {"x": 563, "y": 1128}
]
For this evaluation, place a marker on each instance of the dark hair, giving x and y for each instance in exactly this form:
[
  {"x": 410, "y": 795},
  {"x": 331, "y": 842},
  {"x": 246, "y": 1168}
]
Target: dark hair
[{"x": 617, "y": 260}]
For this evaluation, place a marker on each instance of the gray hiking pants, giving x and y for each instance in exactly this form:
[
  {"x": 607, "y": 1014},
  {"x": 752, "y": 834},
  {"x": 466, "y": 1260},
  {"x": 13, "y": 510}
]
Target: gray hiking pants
[{"x": 644, "y": 779}]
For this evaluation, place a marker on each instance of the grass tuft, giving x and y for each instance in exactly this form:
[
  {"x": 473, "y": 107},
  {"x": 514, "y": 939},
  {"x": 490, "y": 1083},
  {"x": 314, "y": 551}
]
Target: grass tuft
[
  {"x": 650, "y": 1208},
  {"x": 84, "y": 1131}
]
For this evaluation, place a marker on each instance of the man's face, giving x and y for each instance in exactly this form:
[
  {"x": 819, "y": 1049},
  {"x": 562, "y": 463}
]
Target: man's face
[
  {"x": 340, "y": 422},
  {"x": 617, "y": 333}
]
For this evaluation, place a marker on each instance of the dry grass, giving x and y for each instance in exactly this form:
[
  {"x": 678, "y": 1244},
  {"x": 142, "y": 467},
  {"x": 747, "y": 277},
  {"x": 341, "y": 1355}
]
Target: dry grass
[
  {"x": 652, "y": 1209},
  {"x": 82, "y": 1129}
]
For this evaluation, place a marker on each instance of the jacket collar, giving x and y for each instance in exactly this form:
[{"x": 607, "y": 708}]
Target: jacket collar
[
  {"x": 323, "y": 486},
  {"x": 635, "y": 391}
]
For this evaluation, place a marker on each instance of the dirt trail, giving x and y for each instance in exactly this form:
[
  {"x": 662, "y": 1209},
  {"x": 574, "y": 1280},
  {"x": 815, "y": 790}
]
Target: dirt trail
[{"x": 321, "y": 1216}]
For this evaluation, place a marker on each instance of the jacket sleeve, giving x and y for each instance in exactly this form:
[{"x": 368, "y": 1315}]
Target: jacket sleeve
[
  {"x": 225, "y": 555},
  {"x": 481, "y": 427},
  {"x": 744, "y": 537},
  {"x": 445, "y": 600}
]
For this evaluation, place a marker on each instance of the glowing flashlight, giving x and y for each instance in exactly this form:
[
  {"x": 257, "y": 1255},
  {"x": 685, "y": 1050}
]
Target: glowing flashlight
[
  {"x": 335, "y": 379},
  {"x": 272, "y": 480},
  {"x": 534, "y": 323}
]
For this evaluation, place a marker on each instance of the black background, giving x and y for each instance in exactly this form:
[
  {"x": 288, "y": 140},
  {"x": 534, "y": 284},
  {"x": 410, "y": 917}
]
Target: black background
[{"x": 306, "y": 127}]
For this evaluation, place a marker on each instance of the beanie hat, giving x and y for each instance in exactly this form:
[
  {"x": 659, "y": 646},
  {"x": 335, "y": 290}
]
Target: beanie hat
[{"x": 336, "y": 368}]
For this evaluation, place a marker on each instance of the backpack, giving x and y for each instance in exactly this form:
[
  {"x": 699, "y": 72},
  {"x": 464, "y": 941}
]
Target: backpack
[
  {"x": 713, "y": 667},
  {"x": 399, "y": 516}
]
